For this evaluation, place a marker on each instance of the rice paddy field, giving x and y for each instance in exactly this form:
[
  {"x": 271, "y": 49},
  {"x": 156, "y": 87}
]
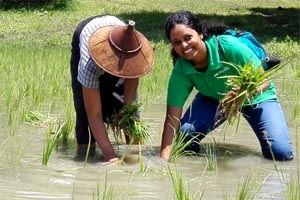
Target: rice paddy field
[{"x": 37, "y": 143}]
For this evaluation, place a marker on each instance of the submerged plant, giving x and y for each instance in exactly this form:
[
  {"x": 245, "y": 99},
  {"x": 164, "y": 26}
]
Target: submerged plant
[{"x": 245, "y": 85}]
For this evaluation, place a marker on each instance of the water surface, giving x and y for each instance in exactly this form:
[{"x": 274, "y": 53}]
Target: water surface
[{"x": 237, "y": 157}]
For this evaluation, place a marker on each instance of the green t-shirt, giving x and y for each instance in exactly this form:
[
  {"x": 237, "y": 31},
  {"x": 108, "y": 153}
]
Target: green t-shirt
[{"x": 185, "y": 77}]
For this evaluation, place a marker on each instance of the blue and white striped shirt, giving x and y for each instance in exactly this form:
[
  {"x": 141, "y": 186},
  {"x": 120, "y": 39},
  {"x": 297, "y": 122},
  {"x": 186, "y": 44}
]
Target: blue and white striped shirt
[{"x": 88, "y": 71}]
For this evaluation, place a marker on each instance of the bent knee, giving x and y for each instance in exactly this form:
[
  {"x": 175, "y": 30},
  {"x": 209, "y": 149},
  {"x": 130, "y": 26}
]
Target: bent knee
[
  {"x": 187, "y": 128},
  {"x": 278, "y": 153}
]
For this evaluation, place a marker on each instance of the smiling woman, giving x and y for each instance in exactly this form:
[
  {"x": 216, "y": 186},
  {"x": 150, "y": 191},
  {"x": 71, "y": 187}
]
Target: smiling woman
[
  {"x": 198, "y": 63},
  {"x": 185, "y": 42}
]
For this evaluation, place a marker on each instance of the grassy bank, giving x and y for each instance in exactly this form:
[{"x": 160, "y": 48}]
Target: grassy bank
[{"x": 39, "y": 40}]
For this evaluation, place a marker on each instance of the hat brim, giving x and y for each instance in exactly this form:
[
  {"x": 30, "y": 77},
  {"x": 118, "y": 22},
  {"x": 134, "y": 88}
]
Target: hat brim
[{"x": 115, "y": 62}]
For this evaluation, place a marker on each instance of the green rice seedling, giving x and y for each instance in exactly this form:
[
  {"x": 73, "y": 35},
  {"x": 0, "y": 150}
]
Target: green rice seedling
[
  {"x": 293, "y": 191},
  {"x": 129, "y": 122},
  {"x": 179, "y": 145},
  {"x": 13, "y": 153},
  {"x": 52, "y": 140},
  {"x": 132, "y": 126},
  {"x": 249, "y": 188},
  {"x": 55, "y": 129},
  {"x": 13, "y": 123},
  {"x": 182, "y": 192},
  {"x": 107, "y": 193},
  {"x": 143, "y": 168},
  {"x": 66, "y": 129},
  {"x": 88, "y": 150},
  {"x": 244, "y": 189},
  {"x": 69, "y": 123},
  {"x": 246, "y": 84},
  {"x": 211, "y": 157},
  {"x": 66, "y": 97},
  {"x": 38, "y": 119}
]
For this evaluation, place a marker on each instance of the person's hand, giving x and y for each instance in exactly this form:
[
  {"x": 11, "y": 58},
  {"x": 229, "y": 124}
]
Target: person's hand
[
  {"x": 165, "y": 153},
  {"x": 113, "y": 161},
  {"x": 230, "y": 95},
  {"x": 258, "y": 91}
]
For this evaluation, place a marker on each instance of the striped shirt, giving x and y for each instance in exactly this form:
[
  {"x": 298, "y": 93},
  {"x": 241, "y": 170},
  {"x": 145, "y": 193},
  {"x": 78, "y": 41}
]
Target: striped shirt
[{"x": 88, "y": 72}]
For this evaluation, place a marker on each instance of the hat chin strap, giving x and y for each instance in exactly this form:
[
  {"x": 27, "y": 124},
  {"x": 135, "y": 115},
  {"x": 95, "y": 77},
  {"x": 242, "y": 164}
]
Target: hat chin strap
[{"x": 121, "y": 62}]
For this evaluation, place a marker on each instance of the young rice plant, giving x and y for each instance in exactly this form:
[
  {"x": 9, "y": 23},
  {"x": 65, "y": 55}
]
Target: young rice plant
[{"x": 246, "y": 84}]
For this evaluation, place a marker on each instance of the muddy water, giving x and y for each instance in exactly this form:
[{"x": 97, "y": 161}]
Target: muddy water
[{"x": 237, "y": 157}]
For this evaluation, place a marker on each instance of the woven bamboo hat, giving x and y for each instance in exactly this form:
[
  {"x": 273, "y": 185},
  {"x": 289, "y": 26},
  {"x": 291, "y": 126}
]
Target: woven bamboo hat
[{"x": 121, "y": 51}]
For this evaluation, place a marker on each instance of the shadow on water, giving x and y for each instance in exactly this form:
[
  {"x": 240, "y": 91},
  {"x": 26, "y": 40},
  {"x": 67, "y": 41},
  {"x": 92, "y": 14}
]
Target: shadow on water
[
  {"x": 220, "y": 150},
  {"x": 265, "y": 23},
  {"x": 229, "y": 150}
]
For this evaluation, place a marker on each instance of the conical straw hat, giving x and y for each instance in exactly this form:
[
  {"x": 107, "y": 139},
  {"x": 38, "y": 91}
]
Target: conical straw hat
[{"x": 121, "y": 51}]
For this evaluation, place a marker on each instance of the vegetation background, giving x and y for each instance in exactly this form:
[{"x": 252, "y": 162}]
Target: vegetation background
[
  {"x": 36, "y": 35},
  {"x": 35, "y": 42}
]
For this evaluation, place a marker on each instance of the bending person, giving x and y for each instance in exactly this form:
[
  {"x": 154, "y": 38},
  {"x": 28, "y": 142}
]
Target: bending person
[{"x": 108, "y": 58}]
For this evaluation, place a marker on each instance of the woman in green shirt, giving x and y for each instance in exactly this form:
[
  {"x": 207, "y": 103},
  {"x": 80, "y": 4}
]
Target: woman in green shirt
[{"x": 198, "y": 63}]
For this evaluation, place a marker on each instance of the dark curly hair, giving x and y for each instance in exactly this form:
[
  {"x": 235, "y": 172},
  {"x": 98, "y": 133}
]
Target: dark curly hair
[{"x": 208, "y": 27}]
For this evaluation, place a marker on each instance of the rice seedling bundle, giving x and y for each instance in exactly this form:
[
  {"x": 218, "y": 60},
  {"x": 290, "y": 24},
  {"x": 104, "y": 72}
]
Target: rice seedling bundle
[
  {"x": 243, "y": 86},
  {"x": 129, "y": 121}
]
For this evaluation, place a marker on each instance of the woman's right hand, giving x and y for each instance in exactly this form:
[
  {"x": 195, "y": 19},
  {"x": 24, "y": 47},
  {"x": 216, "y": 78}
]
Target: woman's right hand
[{"x": 165, "y": 153}]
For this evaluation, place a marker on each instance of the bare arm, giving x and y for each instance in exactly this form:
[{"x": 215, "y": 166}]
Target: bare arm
[
  {"x": 265, "y": 85},
  {"x": 130, "y": 90},
  {"x": 171, "y": 126},
  {"x": 92, "y": 102}
]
